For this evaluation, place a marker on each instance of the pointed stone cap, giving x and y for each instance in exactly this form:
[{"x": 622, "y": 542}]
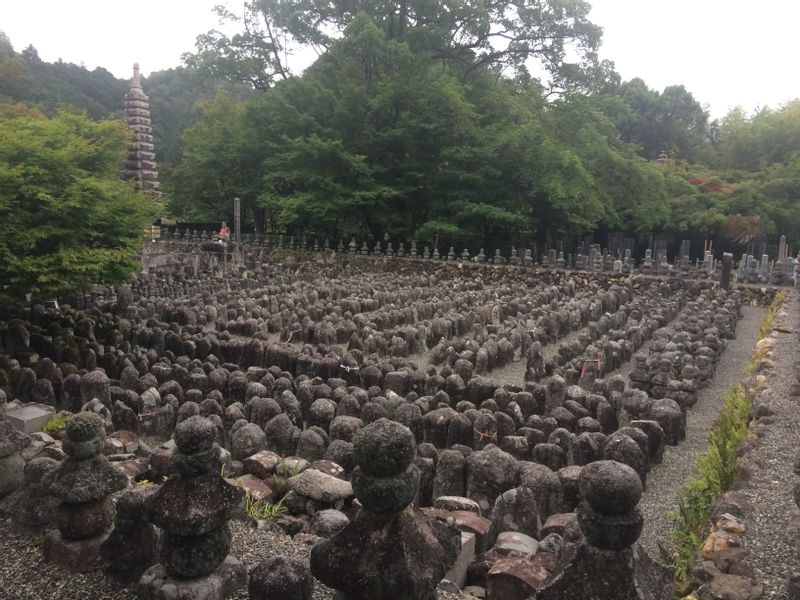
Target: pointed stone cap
[{"x": 135, "y": 92}]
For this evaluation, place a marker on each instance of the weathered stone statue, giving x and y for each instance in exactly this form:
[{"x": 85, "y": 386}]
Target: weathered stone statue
[
  {"x": 131, "y": 547},
  {"x": 11, "y": 465},
  {"x": 33, "y": 507},
  {"x": 82, "y": 482},
  {"x": 192, "y": 509},
  {"x": 389, "y": 551},
  {"x": 608, "y": 564}
]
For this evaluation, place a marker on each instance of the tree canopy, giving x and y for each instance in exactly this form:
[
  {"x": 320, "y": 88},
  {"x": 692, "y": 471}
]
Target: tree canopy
[
  {"x": 379, "y": 139},
  {"x": 466, "y": 35},
  {"x": 482, "y": 123},
  {"x": 423, "y": 119},
  {"x": 66, "y": 218},
  {"x": 49, "y": 87}
]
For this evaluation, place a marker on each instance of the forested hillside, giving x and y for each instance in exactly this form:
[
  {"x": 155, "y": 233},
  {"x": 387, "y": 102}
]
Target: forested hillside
[
  {"x": 476, "y": 122},
  {"x": 24, "y": 77},
  {"x": 50, "y": 87}
]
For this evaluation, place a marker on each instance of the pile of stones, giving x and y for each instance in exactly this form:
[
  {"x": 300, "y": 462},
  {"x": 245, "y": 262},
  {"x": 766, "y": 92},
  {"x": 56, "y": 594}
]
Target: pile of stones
[{"x": 363, "y": 404}]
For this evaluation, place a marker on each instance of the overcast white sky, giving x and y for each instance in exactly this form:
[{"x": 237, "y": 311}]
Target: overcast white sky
[{"x": 726, "y": 52}]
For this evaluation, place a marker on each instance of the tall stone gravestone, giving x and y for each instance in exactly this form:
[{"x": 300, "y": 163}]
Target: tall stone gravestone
[
  {"x": 608, "y": 564},
  {"x": 192, "y": 510},
  {"x": 83, "y": 483},
  {"x": 727, "y": 266},
  {"x": 390, "y": 550}
]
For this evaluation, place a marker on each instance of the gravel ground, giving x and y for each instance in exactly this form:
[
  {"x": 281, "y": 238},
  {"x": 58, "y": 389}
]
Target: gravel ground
[
  {"x": 665, "y": 480},
  {"x": 24, "y": 575},
  {"x": 773, "y": 525}
]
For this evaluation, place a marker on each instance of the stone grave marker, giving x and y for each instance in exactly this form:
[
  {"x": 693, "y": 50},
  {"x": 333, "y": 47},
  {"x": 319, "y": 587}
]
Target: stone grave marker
[{"x": 30, "y": 417}]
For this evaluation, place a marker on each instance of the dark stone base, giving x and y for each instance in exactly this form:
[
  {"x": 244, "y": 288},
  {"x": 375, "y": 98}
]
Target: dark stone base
[
  {"x": 590, "y": 573},
  {"x": 157, "y": 584},
  {"x": 86, "y": 519},
  {"x": 75, "y": 555},
  {"x": 194, "y": 556},
  {"x": 128, "y": 554},
  {"x": 365, "y": 561},
  {"x": 5, "y": 506}
]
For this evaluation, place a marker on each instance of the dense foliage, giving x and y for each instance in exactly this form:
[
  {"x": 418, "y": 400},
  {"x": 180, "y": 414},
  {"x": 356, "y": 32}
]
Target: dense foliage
[
  {"x": 466, "y": 35},
  {"x": 66, "y": 218},
  {"x": 48, "y": 87},
  {"x": 382, "y": 137},
  {"x": 415, "y": 123},
  {"x": 483, "y": 123},
  {"x": 24, "y": 77}
]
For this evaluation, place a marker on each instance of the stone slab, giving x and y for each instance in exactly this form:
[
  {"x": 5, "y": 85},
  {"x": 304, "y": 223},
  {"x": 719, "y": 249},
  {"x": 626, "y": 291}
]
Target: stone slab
[
  {"x": 472, "y": 523},
  {"x": 79, "y": 556},
  {"x": 514, "y": 543},
  {"x": 452, "y": 503},
  {"x": 157, "y": 584},
  {"x": 458, "y": 572},
  {"x": 258, "y": 488},
  {"x": 261, "y": 464},
  {"x": 30, "y": 417},
  {"x": 515, "y": 578},
  {"x": 320, "y": 487}
]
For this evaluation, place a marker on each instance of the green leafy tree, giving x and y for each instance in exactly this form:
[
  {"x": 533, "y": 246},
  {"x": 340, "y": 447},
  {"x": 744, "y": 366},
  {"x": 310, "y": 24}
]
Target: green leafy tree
[
  {"x": 174, "y": 94},
  {"x": 377, "y": 139},
  {"x": 67, "y": 221},
  {"x": 467, "y": 35},
  {"x": 627, "y": 190},
  {"x": 47, "y": 86},
  {"x": 670, "y": 121},
  {"x": 217, "y": 164},
  {"x": 737, "y": 144},
  {"x": 349, "y": 147},
  {"x": 752, "y": 143}
]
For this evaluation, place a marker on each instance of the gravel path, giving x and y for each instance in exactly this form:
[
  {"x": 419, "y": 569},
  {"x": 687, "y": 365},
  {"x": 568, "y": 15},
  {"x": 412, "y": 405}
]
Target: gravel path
[
  {"x": 773, "y": 525},
  {"x": 25, "y": 575},
  {"x": 665, "y": 480}
]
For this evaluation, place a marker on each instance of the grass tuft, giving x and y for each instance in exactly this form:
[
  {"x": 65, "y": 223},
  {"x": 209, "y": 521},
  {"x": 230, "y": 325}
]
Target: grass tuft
[
  {"x": 263, "y": 511},
  {"x": 56, "y": 423}
]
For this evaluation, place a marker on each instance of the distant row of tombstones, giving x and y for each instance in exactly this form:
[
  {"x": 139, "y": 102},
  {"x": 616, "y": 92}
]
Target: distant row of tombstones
[{"x": 750, "y": 269}]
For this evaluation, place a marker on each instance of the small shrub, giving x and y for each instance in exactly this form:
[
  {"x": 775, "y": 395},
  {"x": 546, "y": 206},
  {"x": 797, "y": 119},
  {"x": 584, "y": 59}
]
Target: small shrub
[
  {"x": 282, "y": 474},
  {"x": 772, "y": 312},
  {"x": 715, "y": 472}
]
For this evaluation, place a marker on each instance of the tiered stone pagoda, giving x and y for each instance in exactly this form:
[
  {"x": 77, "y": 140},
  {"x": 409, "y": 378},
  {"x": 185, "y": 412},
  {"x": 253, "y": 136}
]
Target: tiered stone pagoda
[{"x": 141, "y": 162}]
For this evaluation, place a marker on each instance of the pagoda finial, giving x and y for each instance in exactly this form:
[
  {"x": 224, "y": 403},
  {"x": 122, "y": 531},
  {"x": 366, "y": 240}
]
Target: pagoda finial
[{"x": 136, "y": 81}]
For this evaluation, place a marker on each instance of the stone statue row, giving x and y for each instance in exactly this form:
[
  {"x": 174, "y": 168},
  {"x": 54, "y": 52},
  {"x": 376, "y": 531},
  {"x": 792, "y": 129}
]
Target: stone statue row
[{"x": 750, "y": 270}]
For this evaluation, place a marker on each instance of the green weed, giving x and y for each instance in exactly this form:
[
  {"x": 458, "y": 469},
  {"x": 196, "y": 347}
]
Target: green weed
[
  {"x": 259, "y": 510},
  {"x": 56, "y": 423}
]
